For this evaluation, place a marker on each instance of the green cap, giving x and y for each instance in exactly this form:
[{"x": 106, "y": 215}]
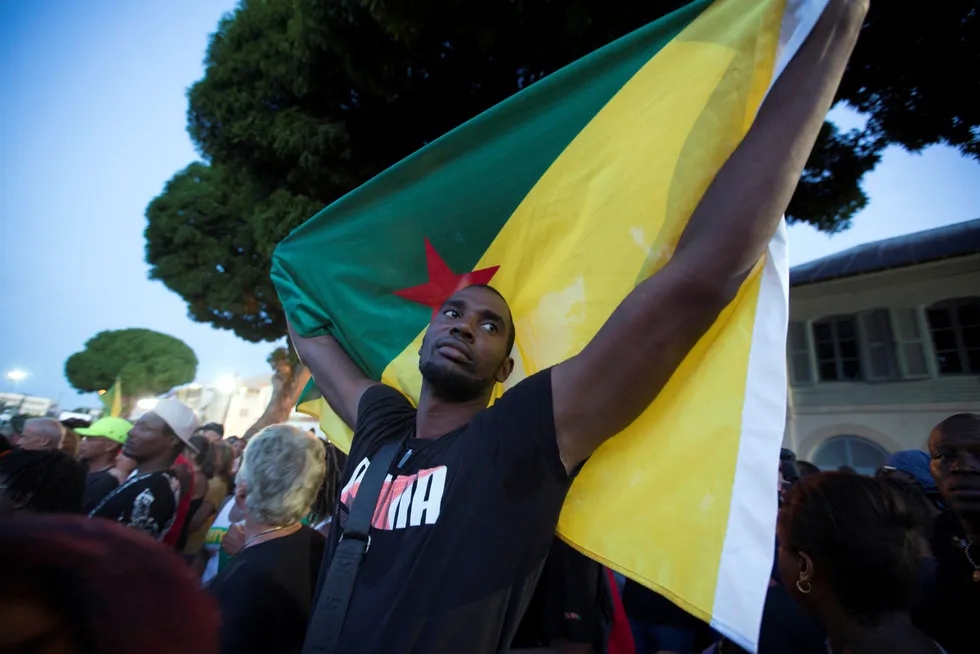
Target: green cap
[{"x": 115, "y": 429}]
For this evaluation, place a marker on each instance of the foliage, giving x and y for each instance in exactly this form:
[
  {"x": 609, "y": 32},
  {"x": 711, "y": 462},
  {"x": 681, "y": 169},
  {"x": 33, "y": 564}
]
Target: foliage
[
  {"x": 147, "y": 362},
  {"x": 303, "y": 100},
  {"x": 288, "y": 380}
]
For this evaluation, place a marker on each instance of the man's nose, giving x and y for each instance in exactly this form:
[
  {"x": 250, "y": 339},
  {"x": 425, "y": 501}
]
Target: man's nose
[{"x": 463, "y": 330}]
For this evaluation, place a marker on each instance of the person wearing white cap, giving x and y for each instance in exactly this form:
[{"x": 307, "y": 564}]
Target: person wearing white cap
[{"x": 149, "y": 498}]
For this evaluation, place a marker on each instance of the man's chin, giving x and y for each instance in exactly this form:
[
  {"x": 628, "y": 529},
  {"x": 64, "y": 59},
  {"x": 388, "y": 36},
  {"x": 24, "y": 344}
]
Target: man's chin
[{"x": 448, "y": 381}]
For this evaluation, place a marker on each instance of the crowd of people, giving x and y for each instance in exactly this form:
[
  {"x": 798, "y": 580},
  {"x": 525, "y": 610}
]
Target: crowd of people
[
  {"x": 437, "y": 535},
  {"x": 231, "y": 538}
]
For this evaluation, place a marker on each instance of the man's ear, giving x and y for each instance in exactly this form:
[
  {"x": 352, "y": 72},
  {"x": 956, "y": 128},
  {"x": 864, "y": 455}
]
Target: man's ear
[
  {"x": 806, "y": 566},
  {"x": 240, "y": 494},
  {"x": 505, "y": 370}
]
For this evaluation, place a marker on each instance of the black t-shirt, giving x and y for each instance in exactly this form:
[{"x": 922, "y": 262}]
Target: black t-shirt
[
  {"x": 950, "y": 603},
  {"x": 97, "y": 485},
  {"x": 147, "y": 503},
  {"x": 572, "y": 603},
  {"x": 461, "y": 532},
  {"x": 266, "y": 593}
]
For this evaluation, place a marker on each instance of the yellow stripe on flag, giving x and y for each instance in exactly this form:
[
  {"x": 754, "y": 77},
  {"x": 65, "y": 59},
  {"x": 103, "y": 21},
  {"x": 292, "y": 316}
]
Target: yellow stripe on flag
[{"x": 654, "y": 501}]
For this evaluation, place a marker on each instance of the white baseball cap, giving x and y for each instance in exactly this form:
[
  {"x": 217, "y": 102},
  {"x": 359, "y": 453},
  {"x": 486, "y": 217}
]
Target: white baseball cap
[{"x": 181, "y": 418}]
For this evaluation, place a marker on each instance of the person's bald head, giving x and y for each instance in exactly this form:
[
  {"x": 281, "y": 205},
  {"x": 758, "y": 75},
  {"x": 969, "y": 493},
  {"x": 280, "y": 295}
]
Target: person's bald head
[{"x": 42, "y": 434}]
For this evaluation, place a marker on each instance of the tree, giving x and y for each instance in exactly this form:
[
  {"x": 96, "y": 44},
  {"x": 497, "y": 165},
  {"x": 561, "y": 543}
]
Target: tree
[
  {"x": 304, "y": 100},
  {"x": 147, "y": 363},
  {"x": 288, "y": 380}
]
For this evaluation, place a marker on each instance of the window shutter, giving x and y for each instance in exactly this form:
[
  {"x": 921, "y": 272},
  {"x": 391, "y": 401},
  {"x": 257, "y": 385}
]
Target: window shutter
[
  {"x": 911, "y": 349},
  {"x": 798, "y": 353},
  {"x": 878, "y": 347}
]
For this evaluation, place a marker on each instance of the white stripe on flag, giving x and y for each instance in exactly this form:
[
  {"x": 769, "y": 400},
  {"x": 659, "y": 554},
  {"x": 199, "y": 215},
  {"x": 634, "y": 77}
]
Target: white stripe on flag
[{"x": 747, "y": 554}]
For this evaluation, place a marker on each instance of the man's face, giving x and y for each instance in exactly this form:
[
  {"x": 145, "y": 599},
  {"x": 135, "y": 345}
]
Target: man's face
[
  {"x": 95, "y": 447},
  {"x": 955, "y": 466},
  {"x": 464, "y": 351},
  {"x": 148, "y": 438},
  {"x": 34, "y": 438}
]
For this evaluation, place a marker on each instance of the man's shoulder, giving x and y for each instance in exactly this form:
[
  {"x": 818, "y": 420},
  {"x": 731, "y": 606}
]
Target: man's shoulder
[
  {"x": 529, "y": 398},
  {"x": 101, "y": 479},
  {"x": 383, "y": 393},
  {"x": 385, "y": 408}
]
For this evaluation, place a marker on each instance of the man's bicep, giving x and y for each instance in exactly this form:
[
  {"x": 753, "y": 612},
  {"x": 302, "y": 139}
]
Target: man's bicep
[{"x": 603, "y": 389}]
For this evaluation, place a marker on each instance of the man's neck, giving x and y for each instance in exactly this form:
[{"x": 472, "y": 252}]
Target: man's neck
[
  {"x": 100, "y": 463},
  {"x": 971, "y": 525},
  {"x": 158, "y": 464},
  {"x": 437, "y": 417}
]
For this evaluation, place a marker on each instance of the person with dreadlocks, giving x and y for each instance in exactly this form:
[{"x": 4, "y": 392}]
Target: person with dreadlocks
[
  {"x": 41, "y": 481},
  {"x": 326, "y": 498}
]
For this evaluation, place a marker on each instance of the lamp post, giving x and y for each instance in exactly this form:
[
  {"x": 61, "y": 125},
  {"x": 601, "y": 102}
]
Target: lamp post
[{"x": 16, "y": 375}]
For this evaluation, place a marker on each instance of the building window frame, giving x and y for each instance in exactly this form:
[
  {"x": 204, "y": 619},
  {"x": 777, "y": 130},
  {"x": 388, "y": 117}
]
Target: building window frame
[
  {"x": 837, "y": 342},
  {"x": 956, "y": 330}
]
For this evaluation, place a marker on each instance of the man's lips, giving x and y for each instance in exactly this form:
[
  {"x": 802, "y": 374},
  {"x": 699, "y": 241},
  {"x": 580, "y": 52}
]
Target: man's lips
[{"x": 453, "y": 351}]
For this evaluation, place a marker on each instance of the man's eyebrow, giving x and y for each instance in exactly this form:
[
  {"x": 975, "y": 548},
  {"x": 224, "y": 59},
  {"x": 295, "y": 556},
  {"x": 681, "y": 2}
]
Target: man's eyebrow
[
  {"x": 454, "y": 304},
  {"x": 492, "y": 315}
]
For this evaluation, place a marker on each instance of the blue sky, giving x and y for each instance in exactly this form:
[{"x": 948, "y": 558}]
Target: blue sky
[{"x": 92, "y": 125}]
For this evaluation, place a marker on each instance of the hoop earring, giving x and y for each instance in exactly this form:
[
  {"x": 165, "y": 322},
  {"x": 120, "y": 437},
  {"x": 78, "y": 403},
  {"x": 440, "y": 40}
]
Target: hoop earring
[{"x": 800, "y": 587}]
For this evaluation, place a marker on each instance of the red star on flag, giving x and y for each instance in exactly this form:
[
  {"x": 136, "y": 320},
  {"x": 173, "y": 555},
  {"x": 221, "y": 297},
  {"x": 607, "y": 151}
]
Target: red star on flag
[{"x": 443, "y": 282}]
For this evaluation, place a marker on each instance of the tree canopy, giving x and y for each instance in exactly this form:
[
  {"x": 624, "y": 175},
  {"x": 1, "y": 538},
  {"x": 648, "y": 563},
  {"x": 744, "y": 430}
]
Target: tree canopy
[
  {"x": 304, "y": 100},
  {"x": 147, "y": 363}
]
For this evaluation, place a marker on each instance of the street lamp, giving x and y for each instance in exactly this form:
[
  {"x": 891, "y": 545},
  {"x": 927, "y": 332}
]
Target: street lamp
[{"x": 226, "y": 384}]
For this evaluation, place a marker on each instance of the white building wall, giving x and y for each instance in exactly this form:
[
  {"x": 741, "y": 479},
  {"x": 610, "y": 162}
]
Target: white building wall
[{"x": 895, "y": 414}]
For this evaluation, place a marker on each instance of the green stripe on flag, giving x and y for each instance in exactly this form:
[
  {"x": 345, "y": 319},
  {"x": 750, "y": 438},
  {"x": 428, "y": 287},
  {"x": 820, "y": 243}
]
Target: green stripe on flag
[{"x": 458, "y": 192}]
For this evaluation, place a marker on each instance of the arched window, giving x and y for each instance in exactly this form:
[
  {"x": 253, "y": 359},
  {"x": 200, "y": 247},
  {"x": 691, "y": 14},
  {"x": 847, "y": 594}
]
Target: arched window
[{"x": 859, "y": 453}]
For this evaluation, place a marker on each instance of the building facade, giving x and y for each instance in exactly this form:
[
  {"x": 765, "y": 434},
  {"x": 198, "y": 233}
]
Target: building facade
[
  {"x": 883, "y": 343},
  {"x": 12, "y": 404},
  {"x": 235, "y": 403}
]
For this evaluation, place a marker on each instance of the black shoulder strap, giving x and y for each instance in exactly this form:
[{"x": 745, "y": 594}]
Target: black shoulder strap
[{"x": 328, "y": 616}]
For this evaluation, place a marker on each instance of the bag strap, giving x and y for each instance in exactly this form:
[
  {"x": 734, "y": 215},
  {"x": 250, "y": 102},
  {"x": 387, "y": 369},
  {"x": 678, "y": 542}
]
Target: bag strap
[{"x": 327, "y": 620}]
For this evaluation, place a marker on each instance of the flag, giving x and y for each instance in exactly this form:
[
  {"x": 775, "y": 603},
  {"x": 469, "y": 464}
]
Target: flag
[
  {"x": 565, "y": 197},
  {"x": 112, "y": 400}
]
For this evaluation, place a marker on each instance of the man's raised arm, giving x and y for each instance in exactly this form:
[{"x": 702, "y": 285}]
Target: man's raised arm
[
  {"x": 617, "y": 375},
  {"x": 336, "y": 375}
]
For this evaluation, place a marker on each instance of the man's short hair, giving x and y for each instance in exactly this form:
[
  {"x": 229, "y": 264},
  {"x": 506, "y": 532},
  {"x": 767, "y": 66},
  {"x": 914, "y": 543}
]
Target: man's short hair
[
  {"x": 52, "y": 430},
  {"x": 215, "y": 427}
]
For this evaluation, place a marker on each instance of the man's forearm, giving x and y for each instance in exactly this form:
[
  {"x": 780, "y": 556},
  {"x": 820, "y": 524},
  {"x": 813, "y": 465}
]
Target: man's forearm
[
  {"x": 735, "y": 220},
  {"x": 337, "y": 376}
]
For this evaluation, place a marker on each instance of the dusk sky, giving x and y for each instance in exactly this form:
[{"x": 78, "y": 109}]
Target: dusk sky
[{"x": 92, "y": 124}]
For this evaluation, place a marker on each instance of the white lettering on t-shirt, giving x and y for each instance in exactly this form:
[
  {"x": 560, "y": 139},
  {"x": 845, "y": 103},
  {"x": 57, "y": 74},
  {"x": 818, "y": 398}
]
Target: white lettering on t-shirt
[
  {"x": 400, "y": 506},
  {"x": 405, "y": 500},
  {"x": 427, "y": 499}
]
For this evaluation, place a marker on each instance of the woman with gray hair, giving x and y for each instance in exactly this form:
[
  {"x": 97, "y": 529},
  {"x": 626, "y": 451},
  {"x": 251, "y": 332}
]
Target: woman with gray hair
[{"x": 266, "y": 592}]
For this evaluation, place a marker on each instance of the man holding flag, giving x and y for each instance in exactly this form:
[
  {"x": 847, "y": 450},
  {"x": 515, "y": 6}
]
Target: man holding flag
[{"x": 467, "y": 514}]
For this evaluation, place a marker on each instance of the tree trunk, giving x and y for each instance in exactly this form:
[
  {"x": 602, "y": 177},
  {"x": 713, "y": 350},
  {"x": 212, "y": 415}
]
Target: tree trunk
[{"x": 287, "y": 383}]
